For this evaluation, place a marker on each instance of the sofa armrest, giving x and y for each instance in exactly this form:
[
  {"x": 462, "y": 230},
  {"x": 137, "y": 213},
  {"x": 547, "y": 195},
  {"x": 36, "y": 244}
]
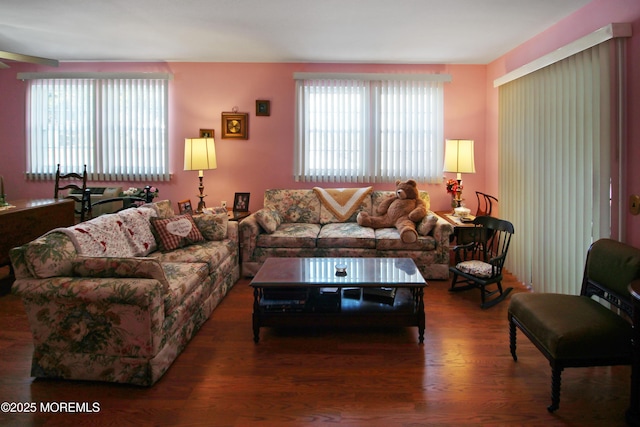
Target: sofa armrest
[
  {"x": 442, "y": 233},
  {"x": 107, "y": 316},
  {"x": 248, "y": 231}
]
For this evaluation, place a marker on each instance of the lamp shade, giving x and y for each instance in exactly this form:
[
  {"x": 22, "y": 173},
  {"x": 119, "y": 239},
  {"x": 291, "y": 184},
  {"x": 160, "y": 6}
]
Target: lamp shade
[
  {"x": 199, "y": 154},
  {"x": 458, "y": 156}
]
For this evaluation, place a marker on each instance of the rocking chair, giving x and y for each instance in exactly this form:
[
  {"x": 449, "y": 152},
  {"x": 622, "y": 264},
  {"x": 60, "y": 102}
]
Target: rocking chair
[{"x": 479, "y": 263}]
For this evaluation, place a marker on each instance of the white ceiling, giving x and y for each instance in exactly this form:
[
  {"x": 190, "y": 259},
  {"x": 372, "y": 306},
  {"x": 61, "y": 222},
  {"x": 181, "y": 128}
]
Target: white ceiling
[{"x": 371, "y": 31}]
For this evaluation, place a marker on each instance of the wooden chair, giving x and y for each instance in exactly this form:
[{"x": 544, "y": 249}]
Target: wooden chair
[
  {"x": 590, "y": 329},
  {"x": 479, "y": 263},
  {"x": 485, "y": 204},
  {"x": 76, "y": 182}
]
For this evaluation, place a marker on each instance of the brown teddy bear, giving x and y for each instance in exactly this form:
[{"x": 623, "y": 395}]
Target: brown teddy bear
[{"x": 401, "y": 211}]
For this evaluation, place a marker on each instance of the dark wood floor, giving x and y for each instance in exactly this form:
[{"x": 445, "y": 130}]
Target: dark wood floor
[{"x": 462, "y": 375}]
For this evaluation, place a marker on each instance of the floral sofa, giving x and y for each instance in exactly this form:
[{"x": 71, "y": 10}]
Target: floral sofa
[
  {"x": 300, "y": 223},
  {"x": 117, "y": 298}
]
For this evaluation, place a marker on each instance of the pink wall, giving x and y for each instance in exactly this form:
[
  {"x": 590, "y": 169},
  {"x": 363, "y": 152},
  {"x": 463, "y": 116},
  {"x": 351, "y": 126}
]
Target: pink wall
[
  {"x": 201, "y": 91},
  {"x": 595, "y": 15}
]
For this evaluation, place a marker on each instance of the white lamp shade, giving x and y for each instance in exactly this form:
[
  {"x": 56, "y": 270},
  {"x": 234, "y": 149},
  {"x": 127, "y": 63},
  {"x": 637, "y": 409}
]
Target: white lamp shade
[
  {"x": 199, "y": 154},
  {"x": 458, "y": 156}
]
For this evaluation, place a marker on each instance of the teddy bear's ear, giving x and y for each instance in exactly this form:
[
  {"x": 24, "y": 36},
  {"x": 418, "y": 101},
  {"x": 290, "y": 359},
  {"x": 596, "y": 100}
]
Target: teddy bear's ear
[
  {"x": 398, "y": 182},
  {"x": 412, "y": 183}
]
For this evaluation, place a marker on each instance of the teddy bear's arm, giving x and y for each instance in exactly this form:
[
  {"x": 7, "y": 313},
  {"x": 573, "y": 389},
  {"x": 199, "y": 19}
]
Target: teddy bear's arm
[
  {"x": 419, "y": 212},
  {"x": 383, "y": 207}
]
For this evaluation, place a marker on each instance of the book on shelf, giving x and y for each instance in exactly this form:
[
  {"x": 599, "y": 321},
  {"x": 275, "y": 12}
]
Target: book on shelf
[{"x": 382, "y": 294}]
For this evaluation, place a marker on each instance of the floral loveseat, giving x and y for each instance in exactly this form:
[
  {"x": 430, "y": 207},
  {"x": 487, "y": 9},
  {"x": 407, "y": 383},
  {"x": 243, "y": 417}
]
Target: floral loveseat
[
  {"x": 300, "y": 223},
  {"x": 117, "y": 298}
]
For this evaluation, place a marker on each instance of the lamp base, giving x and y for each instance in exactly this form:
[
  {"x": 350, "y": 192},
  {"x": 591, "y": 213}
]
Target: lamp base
[
  {"x": 201, "y": 205},
  {"x": 3, "y": 201}
]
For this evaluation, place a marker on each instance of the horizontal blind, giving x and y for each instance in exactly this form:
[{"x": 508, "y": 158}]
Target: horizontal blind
[
  {"x": 367, "y": 130},
  {"x": 117, "y": 127}
]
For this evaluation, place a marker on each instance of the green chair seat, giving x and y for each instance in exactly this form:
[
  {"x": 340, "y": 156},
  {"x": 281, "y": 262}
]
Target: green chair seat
[{"x": 572, "y": 327}]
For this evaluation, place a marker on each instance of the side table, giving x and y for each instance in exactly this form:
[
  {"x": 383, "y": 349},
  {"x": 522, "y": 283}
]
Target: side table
[
  {"x": 237, "y": 216},
  {"x": 462, "y": 231}
]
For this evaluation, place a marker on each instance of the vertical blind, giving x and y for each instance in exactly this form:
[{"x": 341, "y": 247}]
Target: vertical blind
[
  {"x": 555, "y": 167},
  {"x": 115, "y": 126},
  {"x": 368, "y": 130}
]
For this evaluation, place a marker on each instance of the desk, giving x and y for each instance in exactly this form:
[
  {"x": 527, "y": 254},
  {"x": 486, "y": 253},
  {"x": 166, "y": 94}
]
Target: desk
[
  {"x": 30, "y": 219},
  {"x": 462, "y": 231}
]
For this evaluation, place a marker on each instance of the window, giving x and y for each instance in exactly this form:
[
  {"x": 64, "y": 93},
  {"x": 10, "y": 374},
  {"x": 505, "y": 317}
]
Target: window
[
  {"x": 116, "y": 126},
  {"x": 369, "y": 128}
]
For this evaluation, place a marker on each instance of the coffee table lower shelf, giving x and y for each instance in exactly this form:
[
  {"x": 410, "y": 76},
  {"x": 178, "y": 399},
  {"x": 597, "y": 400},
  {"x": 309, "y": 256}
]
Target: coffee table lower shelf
[{"x": 358, "y": 308}]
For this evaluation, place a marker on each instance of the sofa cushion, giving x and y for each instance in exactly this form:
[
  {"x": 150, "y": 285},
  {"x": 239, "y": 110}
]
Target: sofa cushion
[
  {"x": 294, "y": 205},
  {"x": 269, "y": 219},
  {"x": 389, "y": 239},
  {"x": 137, "y": 227},
  {"x": 183, "y": 279},
  {"x": 572, "y": 327},
  {"x": 212, "y": 226},
  {"x": 175, "y": 232},
  {"x": 50, "y": 255},
  {"x": 346, "y": 235},
  {"x": 139, "y": 267},
  {"x": 291, "y": 235},
  {"x": 343, "y": 204},
  {"x": 210, "y": 252}
]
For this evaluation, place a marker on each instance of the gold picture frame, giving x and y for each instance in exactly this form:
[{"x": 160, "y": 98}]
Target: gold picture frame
[
  {"x": 235, "y": 125},
  {"x": 207, "y": 133}
]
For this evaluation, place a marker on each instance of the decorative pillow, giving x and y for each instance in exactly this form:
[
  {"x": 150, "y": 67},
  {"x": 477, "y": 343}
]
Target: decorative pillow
[
  {"x": 137, "y": 227},
  {"x": 476, "y": 268},
  {"x": 269, "y": 219},
  {"x": 50, "y": 255},
  {"x": 212, "y": 226},
  {"x": 144, "y": 268},
  {"x": 163, "y": 208},
  {"x": 427, "y": 224},
  {"x": 175, "y": 232}
]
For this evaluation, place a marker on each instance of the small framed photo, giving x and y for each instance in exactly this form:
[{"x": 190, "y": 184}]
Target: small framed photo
[
  {"x": 207, "y": 133},
  {"x": 184, "y": 206},
  {"x": 235, "y": 125},
  {"x": 241, "y": 202},
  {"x": 263, "y": 107}
]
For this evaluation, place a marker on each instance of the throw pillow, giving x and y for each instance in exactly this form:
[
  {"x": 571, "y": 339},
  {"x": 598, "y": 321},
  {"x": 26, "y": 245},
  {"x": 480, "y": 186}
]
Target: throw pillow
[
  {"x": 176, "y": 232},
  {"x": 212, "y": 226},
  {"x": 101, "y": 267},
  {"x": 50, "y": 255},
  {"x": 269, "y": 219},
  {"x": 427, "y": 224}
]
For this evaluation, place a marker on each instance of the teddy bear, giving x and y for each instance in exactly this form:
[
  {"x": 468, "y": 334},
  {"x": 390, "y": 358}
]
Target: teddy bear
[{"x": 402, "y": 211}]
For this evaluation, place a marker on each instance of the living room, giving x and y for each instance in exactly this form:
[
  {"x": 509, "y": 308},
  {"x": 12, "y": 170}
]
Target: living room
[{"x": 201, "y": 91}]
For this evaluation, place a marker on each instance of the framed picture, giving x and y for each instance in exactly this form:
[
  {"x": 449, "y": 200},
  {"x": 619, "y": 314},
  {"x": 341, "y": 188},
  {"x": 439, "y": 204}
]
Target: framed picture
[
  {"x": 235, "y": 125},
  {"x": 241, "y": 202},
  {"x": 184, "y": 206},
  {"x": 207, "y": 133},
  {"x": 263, "y": 107}
]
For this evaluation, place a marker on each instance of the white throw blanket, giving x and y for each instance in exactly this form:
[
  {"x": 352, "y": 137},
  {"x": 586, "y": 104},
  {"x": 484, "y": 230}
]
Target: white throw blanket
[
  {"x": 342, "y": 202},
  {"x": 102, "y": 236}
]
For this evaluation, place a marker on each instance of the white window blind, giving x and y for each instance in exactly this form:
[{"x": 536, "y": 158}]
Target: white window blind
[
  {"x": 555, "y": 167},
  {"x": 116, "y": 126},
  {"x": 369, "y": 129}
]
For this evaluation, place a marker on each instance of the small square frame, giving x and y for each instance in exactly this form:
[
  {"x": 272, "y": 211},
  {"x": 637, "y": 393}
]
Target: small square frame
[
  {"x": 207, "y": 133},
  {"x": 241, "y": 202},
  {"x": 263, "y": 107},
  {"x": 185, "y": 206},
  {"x": 235, "y": 125}
]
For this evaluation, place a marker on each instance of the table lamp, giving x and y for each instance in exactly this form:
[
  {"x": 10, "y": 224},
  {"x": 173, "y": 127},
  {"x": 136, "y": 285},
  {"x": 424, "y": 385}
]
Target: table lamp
[
  {"x": 458, "y": 158},
  {"x": 200, "y": 155}
]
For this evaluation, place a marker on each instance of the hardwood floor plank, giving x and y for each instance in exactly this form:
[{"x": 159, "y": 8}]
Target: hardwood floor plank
[{"x": 462, "y": 375}]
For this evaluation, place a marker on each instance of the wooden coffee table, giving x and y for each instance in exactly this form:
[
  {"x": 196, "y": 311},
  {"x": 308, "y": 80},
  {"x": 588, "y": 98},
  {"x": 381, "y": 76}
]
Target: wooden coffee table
[{"x": 308, "y": 291}]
